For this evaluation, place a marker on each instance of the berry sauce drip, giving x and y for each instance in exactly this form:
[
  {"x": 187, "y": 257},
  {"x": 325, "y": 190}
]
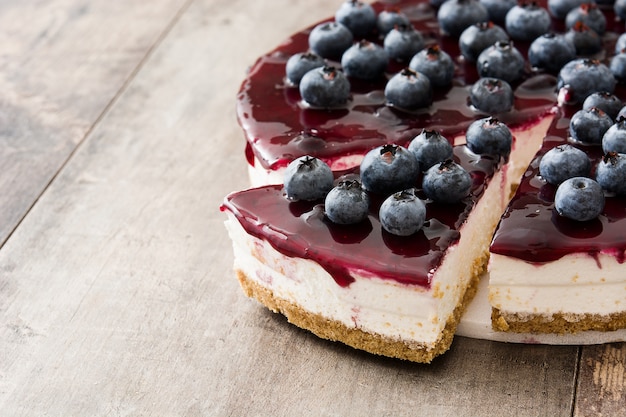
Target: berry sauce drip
[
  {"x": 300, "y": 229},
  {"x": 280, "y": 128},
  {"x": 533, "y": 231}
]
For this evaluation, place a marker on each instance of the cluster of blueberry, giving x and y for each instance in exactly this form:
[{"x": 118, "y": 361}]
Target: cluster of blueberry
[
  {"x": 601, "y": 121},
  {"x": 393, "y": 172},
  {"x": 486, "y": 30}
]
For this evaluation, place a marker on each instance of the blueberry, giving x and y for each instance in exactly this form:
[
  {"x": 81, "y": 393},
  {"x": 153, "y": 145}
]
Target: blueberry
[
  {"x": 579, "y": 198},
  {"x": 614, "y": 139},
  {"x": 498, "y": 9},
  {"x": 550, "y": 52},
  {"x": 621, "y": 114},
  {"x": 325, "y": 87},
  {"x": 590, "y": 15},
  {"x": 364, "y": 60},
  {"x": 588, "y": 126},
  {"x": 409, "y": 90},
  {"x": 447, "y": 182},
  {"x": 357, "y": 16},
  {"x": 586, "y": 40},
  {"x": 402, "y": 42},
  {"x": 330, "y": 39},
  {"x": 389, "y": 168},
  {"x": 307, "y": 178},
  {"x": 620, "y": 9},
  {"x": 501, "y": 60},
  {"x": 301, "y": 63},
  {"x": 402, "y": 213},
  {"x": 430, "y": 148},
  {"x": 347, "y": 203},
  {"x": 527, "y": 21},
  {"x": 620, "y": 44},
  {"x": 563, "y": 162},
  {"x": 618, "y": 66},
  {"x": 492, "y": 95},
  {"x": 454, "y": 16},
  {"x": 434, "y": 63},
  {"x": 390, "y": 18},
  {"x": 607, "y": 102},
  {"x": 560, "y": 8},
  {"x": 611, "y": 173},
  {"x": 489, "y": 136},
  {"x": 581, "y": 77},
  {"x": 478, "y": 37}
]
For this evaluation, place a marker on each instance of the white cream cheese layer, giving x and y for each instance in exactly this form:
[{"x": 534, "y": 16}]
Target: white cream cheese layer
[{"x": 575, "y": 284}]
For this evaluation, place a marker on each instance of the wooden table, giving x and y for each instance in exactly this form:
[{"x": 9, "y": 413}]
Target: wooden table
[{"x": 118, "y": 141}]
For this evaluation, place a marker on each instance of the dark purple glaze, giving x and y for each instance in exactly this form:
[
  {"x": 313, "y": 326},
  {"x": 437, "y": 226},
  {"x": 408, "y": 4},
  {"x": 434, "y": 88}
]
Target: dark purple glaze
[
  {"x": 300, "y": 229},
  {"x": 279, "y": 128}
]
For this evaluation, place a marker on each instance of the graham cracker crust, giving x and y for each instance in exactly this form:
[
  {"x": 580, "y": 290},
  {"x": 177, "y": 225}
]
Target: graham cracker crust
[
  {"x": 557, "y": 323},
  {"x": 336, "y": 331}
]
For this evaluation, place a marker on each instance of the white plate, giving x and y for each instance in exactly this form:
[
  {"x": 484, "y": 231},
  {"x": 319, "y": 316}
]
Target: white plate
[{"x": 476, "y": 323}]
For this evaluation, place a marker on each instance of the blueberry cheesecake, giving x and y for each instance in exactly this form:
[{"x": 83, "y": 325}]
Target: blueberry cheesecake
[{"x": 388, "y": 143}]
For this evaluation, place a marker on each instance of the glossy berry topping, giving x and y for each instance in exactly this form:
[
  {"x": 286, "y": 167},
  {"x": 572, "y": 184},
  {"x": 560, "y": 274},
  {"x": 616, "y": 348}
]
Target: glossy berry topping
[
  {"x": 347, "y": 203},
  {"x": 563, "y": 162},
  {"x": 402, "y": 213},
  {"x": 585, "y": 40},
  {"x": 434, "y": 63},
  {"x": 478, "y": 37},
  {"x": 589, "y": 126},
  {"x": 607, "y": 102},
  {"x": 454, "y": 16},
  {"x": 403, "y": 42},
  {"x": 389, "y": 168},
  {"x": 409, "y": 90},
  {"x": 357, "y": 16},
  {"x": 527, "y": 21},
  {"x": 498, "y": 9},
  {"x": 611, "y": 173},
  {"x": 446, "y": 182},
  {"x": 614, "y": 139},
  {"x": 325, "y": 87},
  {"x": 501, "y": 60},
  {"x": 390, "y": 18},
  {"x": 492, "y": 95},
  {"x": 364, "y": 60},
  {"x": 579, "y": 198},
  {"x": 588, "y": 14},
  {"x": 308, "y": 179},
  {"x": 330, "y": 39},
  {"x": 581, "y": 77},
  {"x": 301, "y": 63},
  {"x": 430, "y": 148},
  {"x": 550, "y": 52},
  {"x": 489, "y": 136}
]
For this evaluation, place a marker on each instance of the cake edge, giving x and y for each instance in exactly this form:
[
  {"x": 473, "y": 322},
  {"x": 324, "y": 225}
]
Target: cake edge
[
  {"x": 373, "y": 343},
  {"x": 558, "y": 323}
]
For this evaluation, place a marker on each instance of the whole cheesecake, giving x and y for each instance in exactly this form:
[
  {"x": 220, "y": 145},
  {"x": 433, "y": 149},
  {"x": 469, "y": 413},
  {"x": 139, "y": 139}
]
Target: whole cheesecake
[{"x": 403, "y": 294}]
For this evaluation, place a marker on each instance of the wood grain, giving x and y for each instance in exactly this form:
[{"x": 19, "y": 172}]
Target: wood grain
[
  {"x": 62, "y": 63},
  {"x": 602, "y": 381},
  {"x": 117, "y": 295}
]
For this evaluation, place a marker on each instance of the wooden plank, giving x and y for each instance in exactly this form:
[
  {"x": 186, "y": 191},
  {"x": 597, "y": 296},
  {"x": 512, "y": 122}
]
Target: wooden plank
[
  {"x": 62, "y": 63},
  {"x": 602, "y": 381},
  {"x": 117, "y": 294}
]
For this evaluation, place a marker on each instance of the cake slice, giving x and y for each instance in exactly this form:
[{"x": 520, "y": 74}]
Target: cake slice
[{"x": 552, "y": 274}]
